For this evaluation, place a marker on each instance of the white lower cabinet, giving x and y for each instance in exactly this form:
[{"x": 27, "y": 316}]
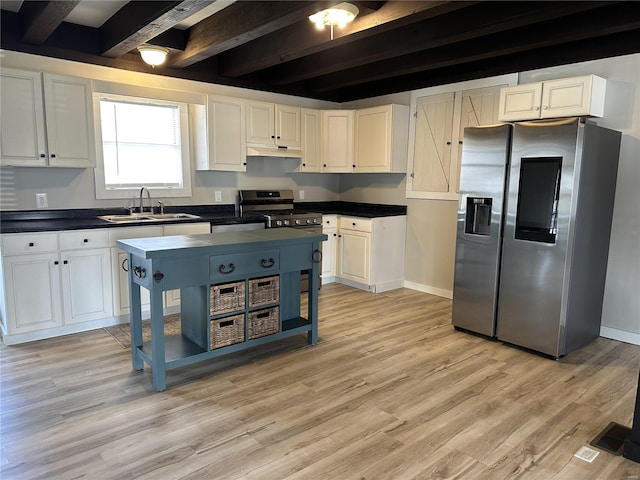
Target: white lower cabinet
[
  {"x": 55, "y": 283},
  {"x": 32, "y": 293},
  {"x": 329, "y": 228},
  {"x": 368, "y": 253},
  {"x": 54, "y": 280}
]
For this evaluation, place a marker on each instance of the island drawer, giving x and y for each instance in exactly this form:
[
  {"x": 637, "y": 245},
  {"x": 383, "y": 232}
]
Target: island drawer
[{"x": 243, "y": 264}]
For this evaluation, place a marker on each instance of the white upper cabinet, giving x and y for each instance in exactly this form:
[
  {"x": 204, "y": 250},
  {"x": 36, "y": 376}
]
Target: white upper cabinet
[
  {"x": 440, "y": 120},
  {"x": 337, "y": 141},
  {"x": 381, "y": 136},
  {"x": 566, "y": 97},
  {"x": 273, "y": 125},
  {"x": 47, "y": 120},
  {"x": 311, "y": 138},
  {"x": 220, "y": 137}
]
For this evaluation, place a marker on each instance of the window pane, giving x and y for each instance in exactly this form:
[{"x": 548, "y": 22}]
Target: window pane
[{"x": 141, "y": 144}]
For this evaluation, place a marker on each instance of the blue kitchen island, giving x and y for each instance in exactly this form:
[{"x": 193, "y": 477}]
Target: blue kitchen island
[{"x": 237, "y": 290}]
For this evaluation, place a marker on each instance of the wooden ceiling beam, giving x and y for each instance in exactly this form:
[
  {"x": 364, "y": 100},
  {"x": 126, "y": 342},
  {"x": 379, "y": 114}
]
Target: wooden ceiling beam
[
  {"x": 475, "y": 22},
  {"x": 240, "y": 23},
  {"x": 302, "y": 39},
  {"x": 40, "y": 19},
  {"x": 140, "y": 21},
  {"x": 589, "y": 26}
]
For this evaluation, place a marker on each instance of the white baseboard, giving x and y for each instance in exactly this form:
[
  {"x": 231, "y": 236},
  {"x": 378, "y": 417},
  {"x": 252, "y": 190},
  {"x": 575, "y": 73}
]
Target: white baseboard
[
  {"x": 621, "y": 335},
  {"x": 440, "y": 292}
]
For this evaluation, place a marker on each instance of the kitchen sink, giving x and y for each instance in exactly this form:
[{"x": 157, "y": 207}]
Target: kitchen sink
[{"x": 147, "y": 217}]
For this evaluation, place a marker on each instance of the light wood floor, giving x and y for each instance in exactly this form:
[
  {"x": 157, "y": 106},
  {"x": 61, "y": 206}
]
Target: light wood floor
[{"x": 391, "y": 391}]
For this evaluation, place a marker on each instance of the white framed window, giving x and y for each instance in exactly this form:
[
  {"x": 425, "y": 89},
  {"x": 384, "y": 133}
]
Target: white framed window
[{"x": 141, "y": 142}]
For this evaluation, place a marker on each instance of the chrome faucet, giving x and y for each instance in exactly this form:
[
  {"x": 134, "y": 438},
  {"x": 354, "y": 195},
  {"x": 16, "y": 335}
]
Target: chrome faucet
[
  {"x": 161, "y": 205},
  {"x": 148, "y": 196}
]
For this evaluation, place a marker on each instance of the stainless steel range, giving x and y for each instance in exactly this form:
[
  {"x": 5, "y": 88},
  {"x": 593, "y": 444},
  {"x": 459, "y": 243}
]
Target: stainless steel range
[{"x": 276, "y": 206}]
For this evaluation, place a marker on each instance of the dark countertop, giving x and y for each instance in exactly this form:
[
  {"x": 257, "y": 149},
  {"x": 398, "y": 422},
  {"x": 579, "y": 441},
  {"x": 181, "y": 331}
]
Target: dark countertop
[
  {"x": 19, "y": 221},
  {"x": 355, "y": 209}
]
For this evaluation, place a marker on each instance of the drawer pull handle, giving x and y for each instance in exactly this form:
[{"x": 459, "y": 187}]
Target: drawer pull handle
[
  {"x": 354, "y": 224},
  {"x": 31, "y": 244},
  {"x": 228, "y": 323},
  {"x": 226, "y": 269},
  {"x": 263, "y": 315},
  {"x": 267, "y": 263},
  {"x": 85, "y": 240},
  {"x": 158, "y": 276},
  {"x": 125, "y": 264},
  {"x": 139, "y": 272}
]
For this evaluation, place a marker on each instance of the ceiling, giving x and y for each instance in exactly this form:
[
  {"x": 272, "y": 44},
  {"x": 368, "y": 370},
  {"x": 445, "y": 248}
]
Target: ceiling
[{"x": 391, "y": 46}]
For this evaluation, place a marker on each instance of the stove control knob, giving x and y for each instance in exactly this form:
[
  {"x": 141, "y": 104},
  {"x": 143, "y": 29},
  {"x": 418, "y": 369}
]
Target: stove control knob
[
  {"x": 315, "y": 220},
  {"x": 286, "y": 222},
  {"x": 278, "y": 222},
  {"x": 297, "y": 222},
  {"x": 309, "y": 220}
]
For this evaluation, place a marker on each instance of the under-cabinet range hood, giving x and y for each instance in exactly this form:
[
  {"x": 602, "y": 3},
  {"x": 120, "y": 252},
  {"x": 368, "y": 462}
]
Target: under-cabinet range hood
[{"x": 280, "y": 152}]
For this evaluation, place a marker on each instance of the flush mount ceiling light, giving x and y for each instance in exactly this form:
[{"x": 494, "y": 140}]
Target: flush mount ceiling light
[
  {"x": 339, "y": 15},
  {"x": 152, "y": 54}
]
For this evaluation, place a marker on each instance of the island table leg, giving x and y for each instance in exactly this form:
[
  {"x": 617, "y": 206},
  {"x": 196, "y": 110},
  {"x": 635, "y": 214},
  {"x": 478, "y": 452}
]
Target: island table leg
[{"x": 158, "y": 370}]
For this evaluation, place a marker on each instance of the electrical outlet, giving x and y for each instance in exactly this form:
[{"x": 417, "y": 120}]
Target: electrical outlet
[
  {"x": 41, "y": 200},
  {"x": 301, "y": 194},
  {"x": 218, "y": 196}
]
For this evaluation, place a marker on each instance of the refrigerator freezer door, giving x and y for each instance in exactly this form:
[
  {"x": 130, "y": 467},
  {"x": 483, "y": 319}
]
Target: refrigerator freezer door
[{"x": 483, "y": 171}]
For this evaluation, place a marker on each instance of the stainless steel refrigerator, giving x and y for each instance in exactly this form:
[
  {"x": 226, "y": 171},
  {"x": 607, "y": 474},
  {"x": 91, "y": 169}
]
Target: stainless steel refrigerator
[{"x": 534, "y": 221}]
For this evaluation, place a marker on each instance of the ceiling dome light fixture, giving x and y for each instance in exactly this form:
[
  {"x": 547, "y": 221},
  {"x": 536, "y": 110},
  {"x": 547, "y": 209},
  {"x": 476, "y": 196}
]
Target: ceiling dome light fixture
[
  {"x": 339, "y": 16},
  {"x": 152, "y": 54}
]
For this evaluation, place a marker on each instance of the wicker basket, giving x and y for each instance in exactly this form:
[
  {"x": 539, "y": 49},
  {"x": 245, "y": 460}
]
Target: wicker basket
[
  {"x": 264, "y": 291},
  {"x": 227, "y": 297},
  {"x": 264, "y": 322},
  {"x": 227, "y": 331}
]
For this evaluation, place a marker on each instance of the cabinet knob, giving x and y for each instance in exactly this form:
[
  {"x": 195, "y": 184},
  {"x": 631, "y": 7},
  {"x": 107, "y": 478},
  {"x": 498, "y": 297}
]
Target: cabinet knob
[
  {"x": 56, "y": 262},
  {"x": 460, "y": 142},
  {"x": 448, "y": 143},
  {"x": 353, "y": 166},
  {"x": 324, "y": 165},
  {"x": 335, "y": 234},
  {"x": 31, "y": 244},
  {"x": 85, "y": 240},
  {"x": 536, "y": 108},
  {"x": 273, "y": 136},
  {"x": 545, "y": 107},
  {"x": 354, "y": 224},
  {"x": 304, "y": 164},
  {"x": 278, "y": 137},
  {"x": 42, "y": 155},
  {"x": 53, "y": 155},
  {"x": 65, "y": 262}
]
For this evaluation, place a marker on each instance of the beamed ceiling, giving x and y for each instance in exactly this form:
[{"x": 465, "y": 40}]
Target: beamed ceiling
[{"x": 391, "y": 46}]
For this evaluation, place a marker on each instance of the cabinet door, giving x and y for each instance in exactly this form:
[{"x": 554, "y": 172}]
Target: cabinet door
[
  {"x": 121, "y": 285},
  {"x": 33, "y": 292},
  {"x": 355, "y": 256},
  {"x": 287, "y": 125},
  {"x": 261, "y": 123},
  {"x": 373, "y": 129},
  {"x": 432, "y": 149},
  {"x": 520, "y": 102},
  {"x": 22, "y": 136},
  {"x": 329, "y": 253},
  {"x": 69, "y": 118},
  {"x": 337, "y": 141},
  {"x": 86, "y": 279},
  {"x": 478, "y": 107},
  {"x": 572, "y": 96},
  {"x": 226, "y": 134},
  {"x": 310, "y": 120}
]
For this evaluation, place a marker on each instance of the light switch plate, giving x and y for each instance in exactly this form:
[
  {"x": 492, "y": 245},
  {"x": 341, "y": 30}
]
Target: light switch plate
[{"x": 41, "y": 200}]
